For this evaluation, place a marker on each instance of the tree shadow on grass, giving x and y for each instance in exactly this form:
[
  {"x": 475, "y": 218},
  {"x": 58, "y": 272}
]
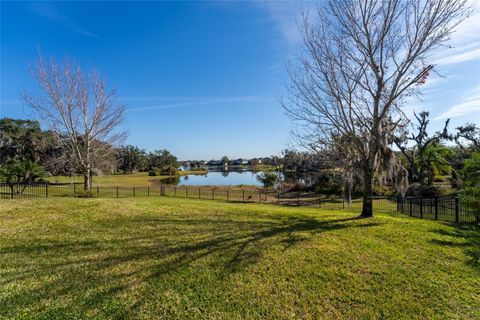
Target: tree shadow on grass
[
  {"x": 463, "y": 236},
  {"x": 128, "y": 252}
]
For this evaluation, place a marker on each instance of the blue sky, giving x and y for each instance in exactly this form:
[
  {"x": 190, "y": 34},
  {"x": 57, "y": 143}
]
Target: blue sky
[{"x": 202, "y": 79}]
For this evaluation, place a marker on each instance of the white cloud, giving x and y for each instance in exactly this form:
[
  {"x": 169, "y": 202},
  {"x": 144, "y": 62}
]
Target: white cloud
[
  {"x": 193, "y": 101},
  {"x": 465, "y": 41},
  {"x": 51, "y": 13},
  {"x": 165, "y": 106},
  {"x": 285, "y": 15},
  {"x": 469, "y": 105},
  {"x": 460, "y": 57}
]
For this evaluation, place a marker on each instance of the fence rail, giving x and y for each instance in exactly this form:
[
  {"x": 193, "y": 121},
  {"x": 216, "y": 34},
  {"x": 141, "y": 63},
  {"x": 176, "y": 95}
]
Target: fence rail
[{"x": 445, "y": 208}]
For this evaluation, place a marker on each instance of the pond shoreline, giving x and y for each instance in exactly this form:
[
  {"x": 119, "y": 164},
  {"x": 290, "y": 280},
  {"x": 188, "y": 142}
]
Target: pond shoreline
[{"x": 217, "y": 179}]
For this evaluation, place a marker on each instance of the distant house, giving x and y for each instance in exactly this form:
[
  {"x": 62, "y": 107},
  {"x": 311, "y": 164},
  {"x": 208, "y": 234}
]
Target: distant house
[
  {"x": 214, "y": 163},
  {"x": 240, "y": 161}
]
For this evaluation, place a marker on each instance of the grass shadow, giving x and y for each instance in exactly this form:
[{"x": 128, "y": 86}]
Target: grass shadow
[
  {"x": 131, "y": 251},
  {"x": 464, "y": 236}
]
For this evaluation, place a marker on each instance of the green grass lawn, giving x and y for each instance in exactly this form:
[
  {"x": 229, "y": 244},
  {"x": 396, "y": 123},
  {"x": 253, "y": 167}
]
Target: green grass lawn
[{"x": 170, "y": 258}]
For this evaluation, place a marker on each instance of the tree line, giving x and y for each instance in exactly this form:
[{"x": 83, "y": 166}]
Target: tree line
[
  {"x": 28, "y": 153},
  {"x": 442, "y": 162}
]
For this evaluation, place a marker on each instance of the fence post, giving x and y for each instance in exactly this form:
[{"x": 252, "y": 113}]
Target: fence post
[
  {"x": 199, "y": 193},
  {"x": 343, "y": 202},
  {"x": 117, "y": 191},
  {"x": 457, "y": 210},
  {"x": 411, "y": 207},
  {"x": 436, "y": 207},
  {"x": 228, "y": 194},
  {"x": 243, "y": 196},
  {"x": 213, "y": 194},
  {"x": 298, "y": 199},
  {"x": 260, "y": 195},
  {"x": 74, "y": 191},
  {"x": 148, "y": 191},
  {"x": 98, "y": 190},
  {"x": 421, "y": 207},
  {"x": 186, "y": 192},
  {"x": 46, "y": 190}
]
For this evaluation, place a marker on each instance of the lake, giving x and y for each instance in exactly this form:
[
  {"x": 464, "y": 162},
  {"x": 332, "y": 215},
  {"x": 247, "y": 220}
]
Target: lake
[{"x": 224, "y": 178}]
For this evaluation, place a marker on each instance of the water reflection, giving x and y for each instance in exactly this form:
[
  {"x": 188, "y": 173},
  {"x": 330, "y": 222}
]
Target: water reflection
[
  {"x": 172, "y": 180},
  {"x": 219, "y": 178},
  {"x": 235, "y": 178}
]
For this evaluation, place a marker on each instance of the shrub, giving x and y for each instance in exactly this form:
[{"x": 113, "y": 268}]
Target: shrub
[
  {"x": 268, "y": 179},
  {"x": 423, "y": 191},
  {"x": 152, "y": 173},
  {"x": 168, "y": 170},
  {"x": 470, "y": 195},
  {"x": 18, "y": 174}
]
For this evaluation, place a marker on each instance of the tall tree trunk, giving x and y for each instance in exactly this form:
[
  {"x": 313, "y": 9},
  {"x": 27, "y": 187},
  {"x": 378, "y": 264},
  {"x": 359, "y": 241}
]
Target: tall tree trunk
[
  {"x": 368, "y": 169},
  {"x": 87, "y": 176},
  {"x": 86, "y": 181},
  {"x": 90, "y": 186},
  {"x": 367, "y": 209}
]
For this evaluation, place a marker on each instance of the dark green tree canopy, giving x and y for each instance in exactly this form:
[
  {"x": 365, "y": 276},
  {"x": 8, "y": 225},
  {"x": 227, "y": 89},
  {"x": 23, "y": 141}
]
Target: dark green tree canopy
[
  {"x": 130, "y": 158},
  {"x": 20, "y": 140},
  {"x": 162, "y": 158}
]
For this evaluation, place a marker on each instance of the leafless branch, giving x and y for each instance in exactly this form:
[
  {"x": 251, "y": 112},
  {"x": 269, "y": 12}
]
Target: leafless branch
[{"x": 80, "y": 108}]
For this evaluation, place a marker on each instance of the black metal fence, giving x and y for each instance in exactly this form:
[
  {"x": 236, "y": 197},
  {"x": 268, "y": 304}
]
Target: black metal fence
[{"x": 445, "y": 208}]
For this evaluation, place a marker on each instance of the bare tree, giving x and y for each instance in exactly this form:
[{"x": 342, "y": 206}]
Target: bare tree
[
  {"x": 80, "y": 108},
  {"x": 362, "y": 59}
]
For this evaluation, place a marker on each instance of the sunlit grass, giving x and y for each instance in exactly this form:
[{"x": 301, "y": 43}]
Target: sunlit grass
[{"x": 183, "y": 258}]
